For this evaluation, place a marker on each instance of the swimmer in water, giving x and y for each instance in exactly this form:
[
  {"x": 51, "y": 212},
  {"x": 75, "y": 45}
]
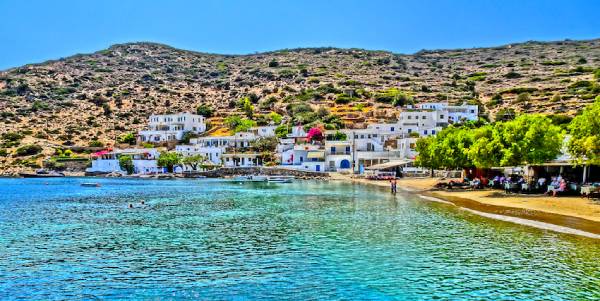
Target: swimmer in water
[
  {"x": 130, "y": 206},
  {"x": 142, "y": 202}
]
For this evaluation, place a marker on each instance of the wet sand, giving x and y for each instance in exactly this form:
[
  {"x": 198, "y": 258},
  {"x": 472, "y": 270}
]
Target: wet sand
[{"x": 552, "y": 213}]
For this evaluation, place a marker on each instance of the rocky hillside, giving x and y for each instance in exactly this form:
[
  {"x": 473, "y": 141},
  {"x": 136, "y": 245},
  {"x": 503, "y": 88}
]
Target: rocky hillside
[{"x": 100, "y": 96}]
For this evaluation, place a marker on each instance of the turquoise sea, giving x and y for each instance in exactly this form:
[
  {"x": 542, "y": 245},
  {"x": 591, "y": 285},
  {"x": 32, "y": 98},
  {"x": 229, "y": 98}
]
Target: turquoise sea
[{"x": 218, "y": 240}]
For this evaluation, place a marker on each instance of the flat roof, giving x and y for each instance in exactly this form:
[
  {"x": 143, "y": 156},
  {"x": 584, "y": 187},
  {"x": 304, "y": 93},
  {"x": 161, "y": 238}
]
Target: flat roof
[{"x": 387, "y": 165}]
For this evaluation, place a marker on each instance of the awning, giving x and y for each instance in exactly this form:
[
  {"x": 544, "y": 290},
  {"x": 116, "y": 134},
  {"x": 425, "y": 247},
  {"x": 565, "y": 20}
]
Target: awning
[
  {"x": 387, "y": 165},
  {"x": 315, "y": 155}
]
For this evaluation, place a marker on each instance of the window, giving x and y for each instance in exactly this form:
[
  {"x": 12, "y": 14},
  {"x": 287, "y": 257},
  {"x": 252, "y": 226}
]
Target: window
[
  {"x": 441, "y": 116},
  {"x": 409, "y": 117},
  {"x": 424, "y": 117},
  {"x": 409, "y": 131},
  {"x": 472, "y": 111},
  {"x": 333, "y": 149},
  {"x": 425, "y": 132},
  {"x": 392, "y": 129},
  {"x": 433, "y": 132},
  {"x": 347, "y": 149}
]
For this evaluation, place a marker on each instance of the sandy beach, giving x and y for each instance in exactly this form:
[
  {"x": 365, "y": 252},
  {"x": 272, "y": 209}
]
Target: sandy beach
[{"x": 568, "y": 211}]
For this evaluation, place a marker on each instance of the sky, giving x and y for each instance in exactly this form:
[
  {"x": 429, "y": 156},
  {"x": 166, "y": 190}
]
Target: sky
[{"x": 38, "y": 30}]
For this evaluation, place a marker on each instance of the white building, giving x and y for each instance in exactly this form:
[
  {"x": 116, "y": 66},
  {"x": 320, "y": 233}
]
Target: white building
[
  {"x": 217, "y": 147},
  {"x": 390, "y": 128},
  {"x": 455, "y": 113},
  {"x": 407, "y": 147},
  {"x": 163, "y": 128},
  {"x": 424, "y": 122},
  {"x": 264, "y": 131},
  {"x": 307, "y": 157},
  {"x": 374, "y": 145},
  {"x": 241, "y": 159},
  {"x": 338, "y": 155},
  {"x": 144, "y": 161}
]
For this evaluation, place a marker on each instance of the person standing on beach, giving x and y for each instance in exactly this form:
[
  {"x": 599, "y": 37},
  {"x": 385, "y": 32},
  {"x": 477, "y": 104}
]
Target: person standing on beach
[{"x": 393, "y": 187}]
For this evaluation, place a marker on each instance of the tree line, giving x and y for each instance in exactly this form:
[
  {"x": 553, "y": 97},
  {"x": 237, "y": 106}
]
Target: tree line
[{"x": 528, "y": 139}]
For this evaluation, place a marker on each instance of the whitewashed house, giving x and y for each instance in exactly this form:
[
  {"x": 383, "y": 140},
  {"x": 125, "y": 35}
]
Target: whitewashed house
[
  {"x": 223, "y": 150},
  {"x": 455, "y": 113},
  {"x": 164, "y": 128},
  {"x": 374, "y": 145},
  {"x": 144, "y": 161},
  {"x": 264, "y": 131},
  {"x": 424, "y": 122},
  {"x": 305, "y": 156},
  {"x": 338, "y": 155}
]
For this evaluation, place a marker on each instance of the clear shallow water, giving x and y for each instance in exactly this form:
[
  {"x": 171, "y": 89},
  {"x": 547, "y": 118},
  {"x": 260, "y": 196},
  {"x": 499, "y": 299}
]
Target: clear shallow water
[{"x": 210, "y": 239}]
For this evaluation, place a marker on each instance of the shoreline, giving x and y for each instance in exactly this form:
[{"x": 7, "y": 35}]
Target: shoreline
[
  {"x": 487, "y": 203},
  {"x": 511, "y": 212}
]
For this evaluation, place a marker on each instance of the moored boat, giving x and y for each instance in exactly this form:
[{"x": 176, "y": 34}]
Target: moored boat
[
  {"x": 90, "y": 184},
  {"x": 280, "y": 179},
  {"x": 41, "y": 173},
  {"x": 251, "y": 178}
]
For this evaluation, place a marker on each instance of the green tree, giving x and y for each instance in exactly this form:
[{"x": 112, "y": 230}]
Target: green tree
[
  {"x": 245, "y": 104},
  {"x": 585, "y": 134},
  {"x": 452, "y": 145},
  {"x": 28, "y": 150},
  {"x": 237, "y": 124},
  {"x": 96, "y": 143},
  {"x": 193, "y": 161},
  {"x": 339, "y": 136},
  {"x": 169, "y": 160},
  {"x": 426, "y": 156},
  {"x": 265, "y": 144},
  {"x": 276, "y": 118},
  {"x": 523, "y": 97},
  {"x": 529, "y": 139},
  {"x": 126, "y": 163},
  {"x": 281, "y": 131},
  {"x": 185, "y": 138},
  {"x": 128, "y": 138},
  {"x": 486, "y": 150},
  {"x": 205, "y": 110},
  {"x": 394, "y": 96}
]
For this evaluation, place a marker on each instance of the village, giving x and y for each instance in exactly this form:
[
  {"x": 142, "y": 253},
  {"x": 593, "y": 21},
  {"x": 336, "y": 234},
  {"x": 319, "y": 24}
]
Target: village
[{"x": 383, "y": 147}]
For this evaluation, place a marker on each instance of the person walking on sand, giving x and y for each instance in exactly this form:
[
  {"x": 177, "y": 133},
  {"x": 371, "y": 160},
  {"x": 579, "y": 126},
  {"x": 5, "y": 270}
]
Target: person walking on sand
[{"x": 393, "y": 186}]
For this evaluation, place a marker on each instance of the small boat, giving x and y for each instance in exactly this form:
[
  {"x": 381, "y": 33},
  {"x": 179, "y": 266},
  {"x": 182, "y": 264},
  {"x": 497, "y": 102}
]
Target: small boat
[
  {"x": 240, "y": 178},
  {"x": 42, "y": 173},
  {"x": 250, "y": 178},
  {"x": 280, "y": 179},
  {"x": 90, "y": 184},
  {"x": 258, "y": 178}
]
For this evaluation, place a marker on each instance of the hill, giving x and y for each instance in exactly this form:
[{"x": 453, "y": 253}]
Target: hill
[{"x": 100, "y": 96}]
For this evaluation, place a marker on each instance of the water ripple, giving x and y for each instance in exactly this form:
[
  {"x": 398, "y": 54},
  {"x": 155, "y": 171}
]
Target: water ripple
[{"x": 216, "y": 240}]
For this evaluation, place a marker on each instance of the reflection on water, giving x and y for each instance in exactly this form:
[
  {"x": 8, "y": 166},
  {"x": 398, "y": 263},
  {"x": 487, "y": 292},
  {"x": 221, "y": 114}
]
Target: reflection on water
[{"x": 210, "y": 239}]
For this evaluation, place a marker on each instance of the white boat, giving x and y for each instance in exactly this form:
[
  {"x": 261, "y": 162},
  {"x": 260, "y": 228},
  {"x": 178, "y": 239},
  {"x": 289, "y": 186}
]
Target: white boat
[
  {"x": 251, "y": 178},
  {"x": 280, "y": 179},
  {"x": 90, "y": 184},
  {"x": 258, "y": 178}
]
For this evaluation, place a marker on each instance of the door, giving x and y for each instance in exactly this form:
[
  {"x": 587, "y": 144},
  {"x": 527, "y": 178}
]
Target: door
[
  {"x": 345, "y": 164},
  {"x": 317, "y": 167}
]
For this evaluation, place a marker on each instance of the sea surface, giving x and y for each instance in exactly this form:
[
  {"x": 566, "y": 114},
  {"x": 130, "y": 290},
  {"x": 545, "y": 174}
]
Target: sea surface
[{"x": 219, "y": 240}]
